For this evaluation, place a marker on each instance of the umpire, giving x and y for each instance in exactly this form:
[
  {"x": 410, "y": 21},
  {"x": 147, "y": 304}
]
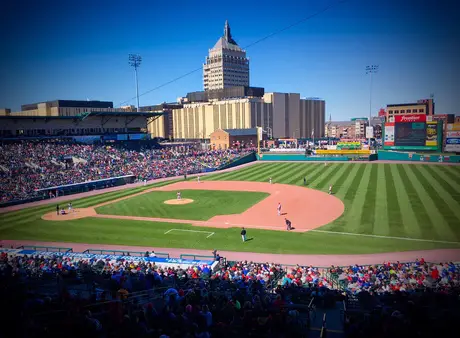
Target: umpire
[{"x": 243, "y": 234}]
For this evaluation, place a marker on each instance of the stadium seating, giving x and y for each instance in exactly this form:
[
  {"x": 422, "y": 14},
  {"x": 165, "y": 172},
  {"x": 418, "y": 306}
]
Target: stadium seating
[
  {"x": 27, "y": 166},
  {"x": 61, "y": 293}
]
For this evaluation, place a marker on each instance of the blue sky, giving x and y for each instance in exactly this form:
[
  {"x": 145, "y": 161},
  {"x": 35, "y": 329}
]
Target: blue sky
[{"x": 79, "y": 50}]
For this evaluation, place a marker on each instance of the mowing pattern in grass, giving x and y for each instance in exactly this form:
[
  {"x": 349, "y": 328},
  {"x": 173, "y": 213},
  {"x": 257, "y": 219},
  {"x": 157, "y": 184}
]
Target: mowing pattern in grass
[
  {"x": 207, "y": 203},
  {"x": 398, "y": 195},
  {"x": 401, "y": 200}
]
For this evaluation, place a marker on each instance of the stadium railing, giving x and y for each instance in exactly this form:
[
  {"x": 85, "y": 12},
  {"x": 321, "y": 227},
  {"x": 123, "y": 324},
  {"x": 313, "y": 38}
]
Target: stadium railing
[
  {"x": 44, "y": 248},
  {"x": 195, "y": 257},
  {"x": 323, "y": 328},
  {"x": 124, "y": 253}
]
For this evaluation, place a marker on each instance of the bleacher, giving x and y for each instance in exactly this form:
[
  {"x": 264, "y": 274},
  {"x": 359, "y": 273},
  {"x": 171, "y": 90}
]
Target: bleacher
[{"x": 305, "y": 311}]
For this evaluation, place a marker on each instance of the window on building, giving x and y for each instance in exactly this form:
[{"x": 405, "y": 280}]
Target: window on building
[
  {"x": 408, "y": 111},
  {"x": 420, "y": 110},
  {"x": 402, "y": 111}
]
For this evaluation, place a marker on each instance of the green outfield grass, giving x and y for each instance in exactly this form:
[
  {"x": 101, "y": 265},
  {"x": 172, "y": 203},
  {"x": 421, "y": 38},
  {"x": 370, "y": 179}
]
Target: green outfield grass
[
  {"x": 420, "y": 202},
  {"x": 206, "y": 204},
  {"x": 401, "y": 200}
]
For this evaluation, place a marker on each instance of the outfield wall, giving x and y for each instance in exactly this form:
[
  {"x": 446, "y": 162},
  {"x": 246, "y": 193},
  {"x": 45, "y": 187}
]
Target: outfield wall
[
  {"x": 413, "y": 157},
  {"x": 300, "y": 157},
  {"x": 242, "y": 160}
]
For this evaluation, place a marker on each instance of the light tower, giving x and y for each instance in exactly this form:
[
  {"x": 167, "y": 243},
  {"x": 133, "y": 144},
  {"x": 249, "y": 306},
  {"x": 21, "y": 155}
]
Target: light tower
[
  {"x": 371, "y": 70},
  {"x": 135, "y": 61}
]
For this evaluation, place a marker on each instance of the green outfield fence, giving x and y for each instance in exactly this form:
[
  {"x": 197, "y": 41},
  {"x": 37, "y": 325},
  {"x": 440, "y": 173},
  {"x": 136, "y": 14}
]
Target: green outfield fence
[
  {"x": 417, "y": 157},
  {"x": 44, "y": 248}
]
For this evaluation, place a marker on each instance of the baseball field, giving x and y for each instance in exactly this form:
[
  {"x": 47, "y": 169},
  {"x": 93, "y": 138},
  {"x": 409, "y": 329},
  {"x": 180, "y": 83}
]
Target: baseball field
[{"x": 374, "y": 208}]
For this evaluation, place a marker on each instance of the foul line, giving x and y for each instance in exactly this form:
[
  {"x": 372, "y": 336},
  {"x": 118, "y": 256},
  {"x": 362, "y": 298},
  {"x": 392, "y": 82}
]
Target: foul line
[
  {"x": 379, "y": 236},
  {"x": 207, "y": 232}
]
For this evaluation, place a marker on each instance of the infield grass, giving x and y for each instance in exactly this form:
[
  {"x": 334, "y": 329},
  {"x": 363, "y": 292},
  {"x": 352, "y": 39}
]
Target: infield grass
[
  {"x": 206, "y": 204},
  {"x": 420, "y": 202}
]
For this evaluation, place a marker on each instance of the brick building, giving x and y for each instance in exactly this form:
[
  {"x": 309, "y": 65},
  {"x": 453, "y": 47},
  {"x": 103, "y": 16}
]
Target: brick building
[{"x": 231, "y": 138}]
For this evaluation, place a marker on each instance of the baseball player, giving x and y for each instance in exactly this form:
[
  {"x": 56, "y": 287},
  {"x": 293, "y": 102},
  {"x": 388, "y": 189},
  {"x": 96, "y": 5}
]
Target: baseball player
[
  {"x": 179, "y": 195},
  {"x": 198, "y": 179},
  {"x": 304, "y": 181},
  {"x": 288, "y": 224},
  {"x": 279, "y": 209},
  {"x": 270, "y": 180},
  {"x": 330, "y": 189}
]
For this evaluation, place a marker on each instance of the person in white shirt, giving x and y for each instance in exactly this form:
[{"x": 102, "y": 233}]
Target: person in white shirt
[
  {"x": 270, "y": 180},
  {"x": 279, "y": 209}
]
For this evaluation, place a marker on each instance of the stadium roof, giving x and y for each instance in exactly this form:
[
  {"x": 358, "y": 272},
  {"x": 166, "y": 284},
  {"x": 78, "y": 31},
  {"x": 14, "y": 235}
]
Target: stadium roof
[{"x": 84, "y": 115}]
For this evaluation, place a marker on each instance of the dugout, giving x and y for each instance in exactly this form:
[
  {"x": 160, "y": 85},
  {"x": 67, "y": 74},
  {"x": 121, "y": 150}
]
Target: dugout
[{"x": 75, "y": 188}]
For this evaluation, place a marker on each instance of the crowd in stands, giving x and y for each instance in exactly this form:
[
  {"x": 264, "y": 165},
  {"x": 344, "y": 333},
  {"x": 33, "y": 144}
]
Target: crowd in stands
[
  {"x": 399, "y": 276},
  {"x": 27, "y": 166},
  {"x": 243, "y": 299}
]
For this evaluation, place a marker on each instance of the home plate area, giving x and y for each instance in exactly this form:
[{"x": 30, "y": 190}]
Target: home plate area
[{"x": 208, "y": 233}]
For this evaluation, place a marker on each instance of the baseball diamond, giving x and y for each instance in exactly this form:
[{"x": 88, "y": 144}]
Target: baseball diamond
[{"x": 374, "y": 208}]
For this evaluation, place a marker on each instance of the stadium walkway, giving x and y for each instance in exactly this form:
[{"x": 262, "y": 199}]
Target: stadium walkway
[{"x": 438, "y": 255}]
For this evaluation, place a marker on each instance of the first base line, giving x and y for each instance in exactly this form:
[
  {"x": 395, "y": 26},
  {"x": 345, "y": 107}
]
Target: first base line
[{"x": 206, "y": 232}]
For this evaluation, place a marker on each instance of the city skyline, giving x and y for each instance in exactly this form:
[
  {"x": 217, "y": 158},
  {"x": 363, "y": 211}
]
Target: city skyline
[{"x": 325, "y": 56}]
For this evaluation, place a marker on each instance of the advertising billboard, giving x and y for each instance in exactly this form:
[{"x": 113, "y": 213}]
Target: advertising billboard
[
  {"x": 413, "y": 132},
  {"x": 453, "y": 138},
  {"x": 432, "y": 134},
  {"x": 410, "y": 118},
  {"x": 369, "y": 132},
  {"x": 453, "y": 127},
  {"x": 348, "y": 145},
  {"x": 453, "y": 134},
  {"x": 389, "y": 134}
]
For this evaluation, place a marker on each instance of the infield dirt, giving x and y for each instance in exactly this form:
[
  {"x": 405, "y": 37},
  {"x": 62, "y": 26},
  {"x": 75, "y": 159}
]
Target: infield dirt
[{"x": 306, "y": 208}]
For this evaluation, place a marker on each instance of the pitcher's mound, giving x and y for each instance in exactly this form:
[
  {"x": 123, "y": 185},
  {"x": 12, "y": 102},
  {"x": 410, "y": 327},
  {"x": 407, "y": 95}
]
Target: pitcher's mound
[{"x": 179, "y": 202}]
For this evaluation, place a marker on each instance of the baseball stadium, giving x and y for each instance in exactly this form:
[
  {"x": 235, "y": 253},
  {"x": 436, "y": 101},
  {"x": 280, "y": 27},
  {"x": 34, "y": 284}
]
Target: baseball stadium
[
  {"x": 222, "y": 209},
  {"x": 309, "y": 229}
]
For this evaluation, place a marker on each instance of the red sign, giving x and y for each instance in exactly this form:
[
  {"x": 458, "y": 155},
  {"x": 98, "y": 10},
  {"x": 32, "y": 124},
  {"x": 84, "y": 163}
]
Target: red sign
[{"x": 410, "y": 118}]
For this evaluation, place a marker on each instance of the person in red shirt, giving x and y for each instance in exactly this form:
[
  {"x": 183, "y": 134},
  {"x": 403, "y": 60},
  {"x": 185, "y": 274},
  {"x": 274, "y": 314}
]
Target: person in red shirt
[{"x": 435, "y": 274}]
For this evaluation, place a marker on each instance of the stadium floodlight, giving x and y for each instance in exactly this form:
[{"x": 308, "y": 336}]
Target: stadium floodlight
[
  {"x": 135, "y": 61},
  {"x": 371, "y": 70}
]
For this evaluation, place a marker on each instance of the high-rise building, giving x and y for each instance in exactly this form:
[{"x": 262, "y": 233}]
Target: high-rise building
[
  {"x": 226, "y": 65},
  {"x": 279, "y": 114}
]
